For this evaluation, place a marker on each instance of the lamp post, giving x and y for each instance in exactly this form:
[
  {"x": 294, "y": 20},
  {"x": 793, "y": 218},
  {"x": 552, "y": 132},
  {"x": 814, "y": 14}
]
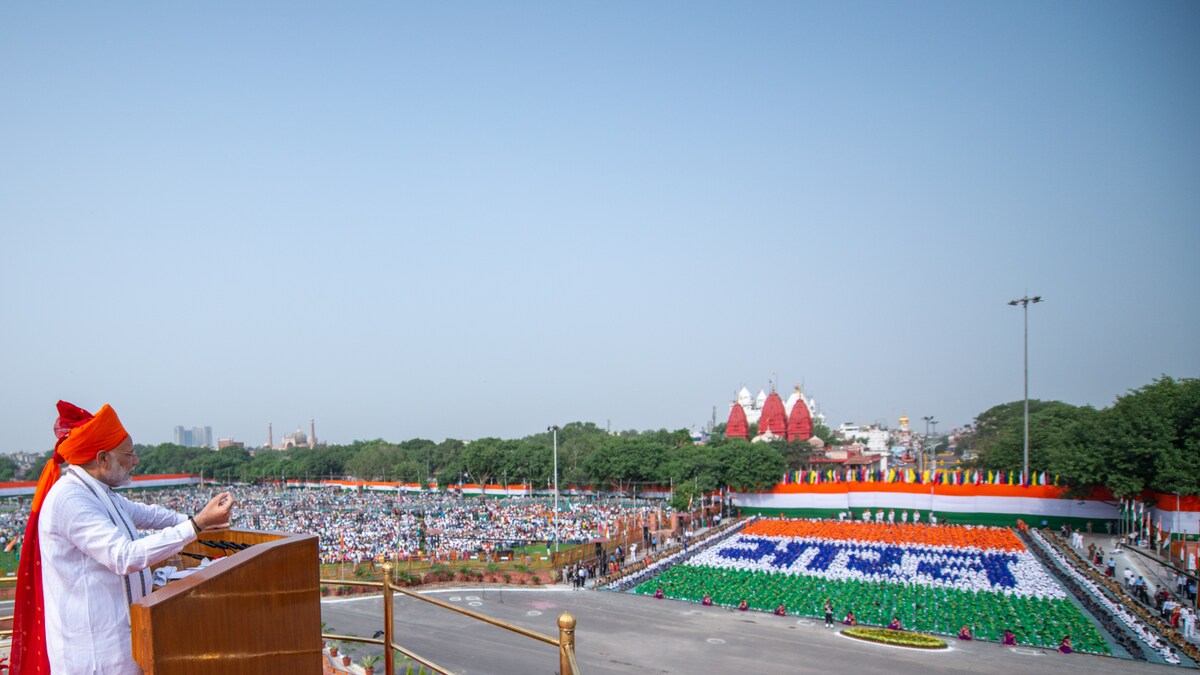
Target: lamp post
[
  {"x": 554, "y": 430},
  {"x": 925, "y": 442},
  {"x": 1024, "y": 303},
  {"x": 933, "y": 448}
]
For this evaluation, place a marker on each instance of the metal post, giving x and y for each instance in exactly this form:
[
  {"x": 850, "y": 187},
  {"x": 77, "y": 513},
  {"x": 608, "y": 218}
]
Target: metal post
[
  {"x": 924, "y": 444},
  {"x": 554, "y": 430},
  {"x": 566, "y": 642},
  {"x": 389, "y": 662},
  {"x": 1025, "y": 469},
  {"x": 933, "y": 464}
]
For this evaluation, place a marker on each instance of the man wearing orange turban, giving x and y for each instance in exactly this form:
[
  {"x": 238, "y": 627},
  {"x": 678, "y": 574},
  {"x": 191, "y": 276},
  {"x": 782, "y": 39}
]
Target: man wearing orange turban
[{"x": 83, "y": 562}]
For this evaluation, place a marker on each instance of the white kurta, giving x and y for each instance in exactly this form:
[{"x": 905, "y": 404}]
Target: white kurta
[{"x": 94, "y": 565}]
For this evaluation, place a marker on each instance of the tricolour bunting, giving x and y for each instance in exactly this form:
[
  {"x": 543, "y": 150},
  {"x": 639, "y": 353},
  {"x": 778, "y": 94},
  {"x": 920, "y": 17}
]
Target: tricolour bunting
[{"x": 933, "y": 579}]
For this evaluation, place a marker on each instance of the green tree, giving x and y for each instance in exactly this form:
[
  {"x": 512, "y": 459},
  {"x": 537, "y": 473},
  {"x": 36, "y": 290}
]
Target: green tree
[
  {"x": 8, "y": 468},
  {"x": 166, "y": 458},
  {"x": 823, "y": 432},
  {"x": 376, "y": 460},
  {"x": 623, "y": 461},
  {"x": 999, "y": 437},
  {"x": 219, "y": 463},
  {"x": 1151, "y": 438},
  {"x": 756, "y": 467}
]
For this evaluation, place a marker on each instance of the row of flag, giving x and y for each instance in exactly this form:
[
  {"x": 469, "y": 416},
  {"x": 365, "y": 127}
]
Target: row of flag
[
  {"x": 1137, "y": 519},
  {"x": 927, "y": 477}
]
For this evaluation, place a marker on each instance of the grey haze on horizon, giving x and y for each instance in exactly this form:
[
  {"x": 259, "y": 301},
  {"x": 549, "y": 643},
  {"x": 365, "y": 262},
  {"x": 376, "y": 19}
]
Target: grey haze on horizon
[{"x": 479, "y": 220}]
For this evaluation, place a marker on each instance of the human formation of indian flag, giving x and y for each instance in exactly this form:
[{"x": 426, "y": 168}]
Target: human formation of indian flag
[{"x": 932, "y": 579}]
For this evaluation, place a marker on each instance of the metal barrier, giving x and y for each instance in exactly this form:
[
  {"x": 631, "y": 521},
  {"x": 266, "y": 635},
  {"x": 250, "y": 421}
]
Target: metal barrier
[
  {"x": 565, "y": 641},
  {"x": 7, "y": 632}
]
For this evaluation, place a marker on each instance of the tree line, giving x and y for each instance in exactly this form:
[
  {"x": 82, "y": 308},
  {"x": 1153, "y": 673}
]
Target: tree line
[
  {"x": 1148, "y": 438},
  {"x": 587, "y": 454}
]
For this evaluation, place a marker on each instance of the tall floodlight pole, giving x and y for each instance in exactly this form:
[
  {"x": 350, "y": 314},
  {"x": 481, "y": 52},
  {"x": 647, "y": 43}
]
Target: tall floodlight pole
[
  {"x": 925, "y": 442},
  {"x": 554, "y": 430},
  {"x": 1024, "y": 303},
  {"x": 932, "y": 456}
]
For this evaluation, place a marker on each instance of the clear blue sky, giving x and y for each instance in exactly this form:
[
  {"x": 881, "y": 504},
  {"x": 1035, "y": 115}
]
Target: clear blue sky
[{"x": 463, "y": 220}]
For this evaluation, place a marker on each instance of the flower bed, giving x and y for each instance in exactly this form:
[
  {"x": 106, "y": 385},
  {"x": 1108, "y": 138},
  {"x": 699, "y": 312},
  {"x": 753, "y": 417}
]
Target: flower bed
[
  {"x": 900, "y": 638},
  {"x": 933, "y": 579}
]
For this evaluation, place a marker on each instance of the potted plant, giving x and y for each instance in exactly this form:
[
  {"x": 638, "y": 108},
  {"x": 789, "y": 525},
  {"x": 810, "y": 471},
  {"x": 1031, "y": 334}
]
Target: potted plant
[
  {"x": 333, "y": 648},
  {"x": 368, "y": 663}
]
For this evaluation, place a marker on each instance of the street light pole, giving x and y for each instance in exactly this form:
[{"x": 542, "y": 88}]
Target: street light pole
[
  {"x": 554, "y": 430},
  {"x": 933, "y": 449},
  {"x": 925, "y": 442},
  {"x": 1024, "y": 303}
]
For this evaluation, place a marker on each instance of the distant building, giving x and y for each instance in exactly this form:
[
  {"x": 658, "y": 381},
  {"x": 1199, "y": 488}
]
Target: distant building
[
  {"x": 229, "y": 443},
  {"x": 296, "y": 439},
  {"x": 877, "y": 440},
  {"x": 196, "y": 437}
]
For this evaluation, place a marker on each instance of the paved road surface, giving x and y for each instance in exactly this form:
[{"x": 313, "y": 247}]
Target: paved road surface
[{"x": 621, "y": 633}]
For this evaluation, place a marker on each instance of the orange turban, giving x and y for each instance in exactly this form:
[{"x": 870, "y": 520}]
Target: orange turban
[
  {"x": 81, "y": 436},
  {"x": 102, "y": 432}
]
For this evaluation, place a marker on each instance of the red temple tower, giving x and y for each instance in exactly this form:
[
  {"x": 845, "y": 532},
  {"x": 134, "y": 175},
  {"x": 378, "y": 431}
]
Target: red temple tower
[
  {"x": 799, "y": 426},
  {"x": 737, "y": 427},
  {"x": 774, "y": 418}
]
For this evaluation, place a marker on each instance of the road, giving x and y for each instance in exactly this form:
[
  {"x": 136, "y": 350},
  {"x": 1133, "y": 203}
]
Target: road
[{"x": 622, "y": 633}]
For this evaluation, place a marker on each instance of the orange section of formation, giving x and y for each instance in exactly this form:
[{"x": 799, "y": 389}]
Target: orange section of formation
[{"x": 943, "y": 535}]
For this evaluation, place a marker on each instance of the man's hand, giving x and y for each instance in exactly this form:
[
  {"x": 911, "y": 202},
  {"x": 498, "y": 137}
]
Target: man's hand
[{"x": 216, "y": 513}]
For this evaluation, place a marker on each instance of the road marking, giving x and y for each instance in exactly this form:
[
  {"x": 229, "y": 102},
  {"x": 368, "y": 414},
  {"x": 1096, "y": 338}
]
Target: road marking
[
  {"x": 533, "y": 612},
  {"x": 715, "y": 641}
]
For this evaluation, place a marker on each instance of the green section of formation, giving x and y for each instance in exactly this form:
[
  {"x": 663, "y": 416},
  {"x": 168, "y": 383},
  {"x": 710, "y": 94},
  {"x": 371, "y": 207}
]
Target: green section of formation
[
  {"x": 1037, "y": 622},
  {"x": 944, "y": 517}
]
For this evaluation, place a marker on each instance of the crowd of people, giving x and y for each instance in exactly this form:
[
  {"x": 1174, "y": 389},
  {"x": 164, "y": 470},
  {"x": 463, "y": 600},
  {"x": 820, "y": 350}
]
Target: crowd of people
[
  {"x": 1171, "y": 605},
  {"x": 1128, "y": 632},
  {"x": 358, "y": 526}
]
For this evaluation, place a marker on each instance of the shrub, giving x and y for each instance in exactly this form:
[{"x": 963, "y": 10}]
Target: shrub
[{"x": 900, "y": 638}]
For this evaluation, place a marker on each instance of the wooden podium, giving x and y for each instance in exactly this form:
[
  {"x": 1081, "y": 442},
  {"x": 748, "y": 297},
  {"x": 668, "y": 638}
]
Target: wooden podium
[{"x": 255, "y": 611}]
